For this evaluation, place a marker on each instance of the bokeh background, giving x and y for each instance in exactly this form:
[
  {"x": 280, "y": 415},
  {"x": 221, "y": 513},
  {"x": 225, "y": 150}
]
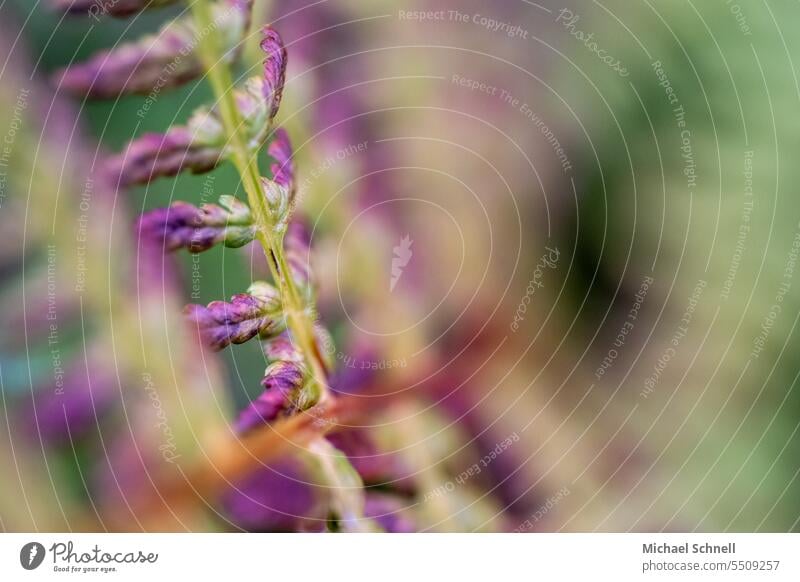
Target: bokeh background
[{"x": 600, "y": 204}]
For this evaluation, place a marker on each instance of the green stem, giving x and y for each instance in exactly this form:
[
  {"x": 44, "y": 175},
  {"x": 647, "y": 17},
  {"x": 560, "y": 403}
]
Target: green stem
[
  {"x": 258, "y": 16},
  {"x": 345, "y": 483},
  {"x": 347, "y": 488},
  {"x": 297, "y": 320}
]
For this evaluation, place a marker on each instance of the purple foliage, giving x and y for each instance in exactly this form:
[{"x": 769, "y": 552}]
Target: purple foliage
[
  {"x": 280, "y": 382},
  {"x": 246, "y": 316},
  {"x": 156, "y": 155},
  {"x": 275, "y": 498},
  {"x": 183, "y": 225}
]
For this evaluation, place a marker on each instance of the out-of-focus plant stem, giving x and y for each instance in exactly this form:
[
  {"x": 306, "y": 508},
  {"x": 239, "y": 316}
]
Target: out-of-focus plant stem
[
  {"x": 258, "y": 18},
  {"x": 346, "y": 485},
  {"x": 231, "y": 460}
]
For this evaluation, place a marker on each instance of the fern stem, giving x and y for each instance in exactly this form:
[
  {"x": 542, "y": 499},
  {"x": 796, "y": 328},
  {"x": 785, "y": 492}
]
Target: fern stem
[
  {"x": 334, "y": 467},
  {"x": 246, "y": 163}
]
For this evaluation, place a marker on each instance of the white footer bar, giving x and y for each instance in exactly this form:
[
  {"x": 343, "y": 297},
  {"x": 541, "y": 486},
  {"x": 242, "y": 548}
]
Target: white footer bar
[{"x": 377, "y": 557}]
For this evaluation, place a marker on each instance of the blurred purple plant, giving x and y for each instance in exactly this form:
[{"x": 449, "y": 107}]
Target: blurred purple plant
[
  {"x": 275, "y": 498},
  {"x": 156, "y": 62},
  {"x": 66, "y": 411}
]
